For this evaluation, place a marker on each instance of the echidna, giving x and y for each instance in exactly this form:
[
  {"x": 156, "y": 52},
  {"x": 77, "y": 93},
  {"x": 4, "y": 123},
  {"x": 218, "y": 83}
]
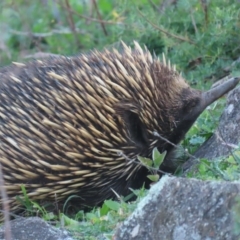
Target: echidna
[{"x": 75, "y": 125}]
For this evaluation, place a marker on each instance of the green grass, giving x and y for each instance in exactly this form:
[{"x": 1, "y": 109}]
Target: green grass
[
  {"x": 203, "y": 42},
  {"x": 99, "y": 223}
]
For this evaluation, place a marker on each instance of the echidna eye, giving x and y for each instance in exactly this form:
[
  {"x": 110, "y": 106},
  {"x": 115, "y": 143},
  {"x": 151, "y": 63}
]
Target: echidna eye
[
  {"x": 136, "y": 129},
  {"x": 189, "y": 105}
]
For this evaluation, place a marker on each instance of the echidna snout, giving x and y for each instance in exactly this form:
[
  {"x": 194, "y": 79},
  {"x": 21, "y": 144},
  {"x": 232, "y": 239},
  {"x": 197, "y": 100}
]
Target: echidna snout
[
  {"x": 192, "y": 110},
  {"x": 75, "y": 125}
]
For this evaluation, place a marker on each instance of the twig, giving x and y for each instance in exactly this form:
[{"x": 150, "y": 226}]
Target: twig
[
  {"x": 154, "y": 6},
  {"x": 38, "y": 55},
  {"x": 229, "y": 146},
  {"x": 99, "y": 17},
  {"x": 193, "y": 22},
  {"x": 166, "y": 32},
  {"x": 205, "y": 10},
  {"x": 5, "y": 205},
  {"x": 42, "y": 35},
  {"x": 71, "y": 23},
  {"x": 93, "y": 19},
  {"x": 174, "y": 145},
  {"x": 137, "y": 162}
]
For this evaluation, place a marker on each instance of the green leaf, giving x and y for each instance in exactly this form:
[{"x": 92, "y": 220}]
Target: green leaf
[
  {"x": 237, "y": 156},
  {"x": 49, "y": 216},
  {"x": 68, "y": 221},
  {"x": 153, "y": 178},
  {"x": 145, "y": 161},
  {"x": 91, "y": 216},
  {"x": 158, "y": 157},
  {"x": 24, "y": 191},
  {"x": 25, "y": 201},
  {"x": 113, "y": 205},
  {"x": 104, "y": 209},
  {"x": 80, "y": 215},
  {"x": 105, "y": 5},
  {"x": 231, "y": 160},
  {"x": 197, "y": 140},
  {"x": 202, "y": 168}
]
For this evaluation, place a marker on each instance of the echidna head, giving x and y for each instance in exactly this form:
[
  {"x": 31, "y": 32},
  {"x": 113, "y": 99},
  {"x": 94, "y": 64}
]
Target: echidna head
[
  {"x": 164, "y": 106},
  {"x": 194, "y": 102}
]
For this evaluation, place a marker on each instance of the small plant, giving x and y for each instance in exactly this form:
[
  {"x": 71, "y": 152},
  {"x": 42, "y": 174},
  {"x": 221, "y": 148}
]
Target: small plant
[
  {"x": 25, "y": 201},
  {"x": 32, "y": 208},
  {"x": 223, "y": 168},
  {"x": 153, "y": 164},
  {"x": 101, "y": 221}
]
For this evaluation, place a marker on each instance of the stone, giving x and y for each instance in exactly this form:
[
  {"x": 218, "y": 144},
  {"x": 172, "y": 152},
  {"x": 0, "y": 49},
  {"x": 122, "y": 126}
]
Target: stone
[
  {"x": 184, "y": 209},
  {"x": 34, "y": 228}
]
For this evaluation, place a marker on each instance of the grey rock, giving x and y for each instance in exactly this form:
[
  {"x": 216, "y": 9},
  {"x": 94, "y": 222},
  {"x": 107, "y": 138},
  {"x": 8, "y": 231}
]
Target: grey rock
[
  {"x": 227, "y": 135},
  {"x": 183, "y": 209},
  {"x": 34, "y": 228}
]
